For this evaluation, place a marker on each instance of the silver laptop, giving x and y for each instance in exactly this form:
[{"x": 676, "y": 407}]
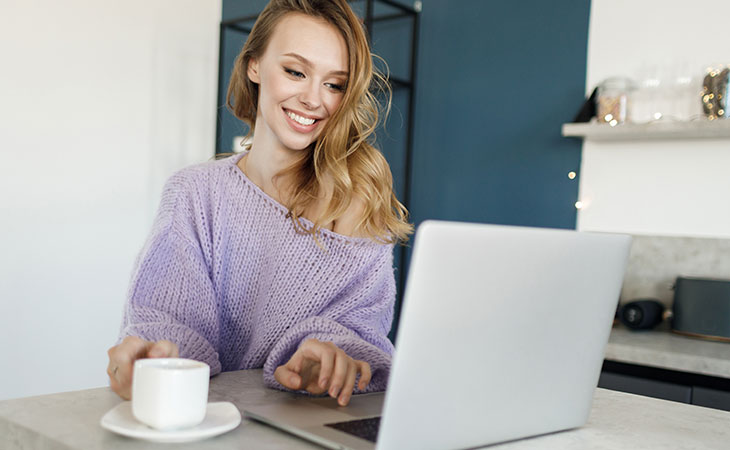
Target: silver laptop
[{"x": 501, "y": 337}]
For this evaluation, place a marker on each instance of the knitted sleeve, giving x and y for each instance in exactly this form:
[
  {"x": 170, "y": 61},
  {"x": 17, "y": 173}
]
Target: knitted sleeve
[
  {"x": 171, "y": 295},
  {"x": 357, "y": 320}
]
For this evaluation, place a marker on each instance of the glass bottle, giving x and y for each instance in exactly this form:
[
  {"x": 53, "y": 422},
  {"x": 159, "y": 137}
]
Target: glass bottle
[{"x": 612, "y": 106}]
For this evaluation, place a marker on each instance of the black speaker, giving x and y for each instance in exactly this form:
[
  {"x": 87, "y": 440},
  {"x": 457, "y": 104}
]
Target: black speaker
[{"x": 641, "y": 314}]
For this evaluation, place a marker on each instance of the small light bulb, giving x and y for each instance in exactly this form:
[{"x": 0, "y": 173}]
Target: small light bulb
[
  {"x": 571, "y": 175},
  {"x": 578, "y": 205},
  {"x": 613, "y": 123},
  {"x": 657, "y": 115},
  {"x": 609, "y": 117}
]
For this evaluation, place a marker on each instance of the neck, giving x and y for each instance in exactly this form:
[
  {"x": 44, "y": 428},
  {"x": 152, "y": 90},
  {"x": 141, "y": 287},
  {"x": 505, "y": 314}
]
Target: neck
[{"x": 266, "y": 158}]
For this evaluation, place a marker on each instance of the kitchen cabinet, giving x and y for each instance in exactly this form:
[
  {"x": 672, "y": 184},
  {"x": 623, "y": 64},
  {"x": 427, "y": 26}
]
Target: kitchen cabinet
[
  {"x": 711, "y": 398},
  {"x": 644, "y": 386},
  {"x": 664, "y": 365},
  {"x": 681, "y": 387}
]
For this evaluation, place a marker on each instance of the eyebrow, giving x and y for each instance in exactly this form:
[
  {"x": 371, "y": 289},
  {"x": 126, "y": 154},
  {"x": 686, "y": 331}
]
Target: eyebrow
[{"x": 308, "y": 63}]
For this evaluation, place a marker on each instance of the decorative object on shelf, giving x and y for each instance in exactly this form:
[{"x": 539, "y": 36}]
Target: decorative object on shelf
[
  {"x": 663, "y": 105},
  {"x": 666, "y": 92},
  {"x": 588, "y": 110},
  {"x": 702, "y": 308},
  {"x": 649, "y": 100},
  {"x": 613, "y": 100},
  {"x": 715, "y": 92},
  {"x": 642, "y": 314}
]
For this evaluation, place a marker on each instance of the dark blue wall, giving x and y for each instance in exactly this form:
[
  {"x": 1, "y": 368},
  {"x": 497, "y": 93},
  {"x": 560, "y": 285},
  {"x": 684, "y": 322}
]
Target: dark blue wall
[
  {"x": 232, "y": 43},
  {"x": 496, "y": 80}
]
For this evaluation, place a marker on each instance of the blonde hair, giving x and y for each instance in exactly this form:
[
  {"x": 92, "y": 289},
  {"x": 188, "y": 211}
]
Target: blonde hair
[{"x": 344, "y": 151}]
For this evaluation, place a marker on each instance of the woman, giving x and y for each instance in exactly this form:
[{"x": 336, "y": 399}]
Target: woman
[{"x": 280, "y": 257}]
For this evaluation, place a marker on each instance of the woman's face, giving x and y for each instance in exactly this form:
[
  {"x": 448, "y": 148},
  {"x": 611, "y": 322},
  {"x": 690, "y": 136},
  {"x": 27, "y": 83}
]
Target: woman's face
[{"x": 301, "y": 76}]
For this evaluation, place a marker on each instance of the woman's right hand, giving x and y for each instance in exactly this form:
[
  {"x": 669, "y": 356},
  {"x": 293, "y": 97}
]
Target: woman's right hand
[{"x": 123, "y": 356}]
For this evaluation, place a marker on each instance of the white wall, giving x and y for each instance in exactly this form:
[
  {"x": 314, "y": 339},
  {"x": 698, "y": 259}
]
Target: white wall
[
  {"x": 100, "y": 101},
  {"x": 679, "y": 188}
]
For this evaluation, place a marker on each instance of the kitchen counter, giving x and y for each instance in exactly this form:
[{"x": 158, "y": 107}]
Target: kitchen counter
[
  {"x": 663, "y": 349},
  {"x": 70, "y": 420}
]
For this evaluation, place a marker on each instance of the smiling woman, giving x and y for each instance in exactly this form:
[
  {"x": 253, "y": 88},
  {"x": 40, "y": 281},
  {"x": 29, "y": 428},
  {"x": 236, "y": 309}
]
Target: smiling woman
[
  {"x": 281, "y": 257},
  {"x": 304, "y": 61},
  {"x": 297, "y": 94}
]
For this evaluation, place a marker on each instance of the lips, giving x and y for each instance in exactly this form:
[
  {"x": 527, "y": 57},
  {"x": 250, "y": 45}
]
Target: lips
[{"x": 299, "y": 122}]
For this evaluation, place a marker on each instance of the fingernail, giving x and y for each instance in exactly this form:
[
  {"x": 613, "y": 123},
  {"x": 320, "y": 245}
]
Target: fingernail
[
  {"x": 334, "y": 390},
  {"x": 344, "y": 399},
  {"x": 323, "y": 383}
]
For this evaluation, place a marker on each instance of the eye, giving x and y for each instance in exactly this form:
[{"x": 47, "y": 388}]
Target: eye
[
  {"x": 336, "y": 87},
  {"x": 294, "y": 73}
]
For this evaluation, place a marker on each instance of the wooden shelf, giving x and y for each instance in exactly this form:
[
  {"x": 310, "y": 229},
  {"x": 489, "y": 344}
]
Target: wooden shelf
[{"x": 697, "y": 129}]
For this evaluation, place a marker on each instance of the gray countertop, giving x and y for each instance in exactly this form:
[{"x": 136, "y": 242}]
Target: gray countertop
[
  {"x": 666, "y": 350},
  {"x": 70, "y": 420}
]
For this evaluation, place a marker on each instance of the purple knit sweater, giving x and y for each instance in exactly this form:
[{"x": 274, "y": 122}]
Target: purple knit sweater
[{"x": 226, "y": 277}]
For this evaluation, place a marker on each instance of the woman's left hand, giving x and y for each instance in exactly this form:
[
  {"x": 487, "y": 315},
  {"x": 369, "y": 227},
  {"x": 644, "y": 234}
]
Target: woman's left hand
[{"x": 320, "y": 367}]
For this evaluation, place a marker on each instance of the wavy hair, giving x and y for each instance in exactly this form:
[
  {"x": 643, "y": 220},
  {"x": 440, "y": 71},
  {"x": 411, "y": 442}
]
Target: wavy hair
[{"x": 344, "y": 151}]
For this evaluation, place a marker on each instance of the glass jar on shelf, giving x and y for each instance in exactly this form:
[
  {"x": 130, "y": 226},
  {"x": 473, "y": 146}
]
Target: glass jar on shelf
[
  {"x": 715, "y": 92},
  {"x": 612, "y": 105}
]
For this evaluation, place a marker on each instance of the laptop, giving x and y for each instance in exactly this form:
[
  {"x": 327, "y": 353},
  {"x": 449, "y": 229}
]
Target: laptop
[{"x": 501, "y": 337}]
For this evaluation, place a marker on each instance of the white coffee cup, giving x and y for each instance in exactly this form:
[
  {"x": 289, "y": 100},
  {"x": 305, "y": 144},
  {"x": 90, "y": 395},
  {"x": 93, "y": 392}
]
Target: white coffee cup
[{"x": 170, "y": 393}]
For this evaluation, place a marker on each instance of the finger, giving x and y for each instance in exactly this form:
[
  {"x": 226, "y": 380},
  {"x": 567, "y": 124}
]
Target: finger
[
  {"x": 125, "y": 392},
  {"x": 326, "y": 365},
  {"x": 296, "y": 362},
  {"x": 133, "y": 346},
  {"x": 122, "y": 357},
  {"x": 127, "y": 351},
  {"x": 339, "y": 373},
  {"x": 287, "y": 378},
  {"x": 349, "y": 385},
  {"x": 315, "y": 350},
  {"x": 119, "y": 369},
  {"x": 306, "y": 363},
  {"x": 163, "y": 349},
  {"x": 365, "y": 375}
]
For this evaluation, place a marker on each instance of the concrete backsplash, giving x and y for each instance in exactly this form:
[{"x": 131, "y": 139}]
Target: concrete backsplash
[{"x": 656, "y": 261}]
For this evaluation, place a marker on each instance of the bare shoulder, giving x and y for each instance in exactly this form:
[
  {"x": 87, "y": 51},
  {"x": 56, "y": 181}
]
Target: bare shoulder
[{"x": 346, "y": 224}]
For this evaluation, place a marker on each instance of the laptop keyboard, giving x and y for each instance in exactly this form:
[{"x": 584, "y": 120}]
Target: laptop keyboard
[{"x": 363, "y": 428}]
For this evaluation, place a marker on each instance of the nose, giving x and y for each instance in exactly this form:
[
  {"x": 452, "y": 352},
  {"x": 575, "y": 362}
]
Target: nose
[{"x": 310, "y": 96}]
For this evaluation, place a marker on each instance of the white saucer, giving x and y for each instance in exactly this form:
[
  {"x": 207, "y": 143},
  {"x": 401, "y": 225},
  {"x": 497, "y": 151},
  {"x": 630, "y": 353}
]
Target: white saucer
[{"x": 219, "y": 418}]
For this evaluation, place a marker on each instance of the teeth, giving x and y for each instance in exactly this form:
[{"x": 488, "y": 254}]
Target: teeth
[{"x": 300, "y": 119}]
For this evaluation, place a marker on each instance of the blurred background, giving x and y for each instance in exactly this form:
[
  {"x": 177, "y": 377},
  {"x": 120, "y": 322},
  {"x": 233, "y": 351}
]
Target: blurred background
[{"x": 100, "y": 102}]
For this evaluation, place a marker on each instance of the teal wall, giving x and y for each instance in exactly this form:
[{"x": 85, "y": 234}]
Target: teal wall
[{"x": 496, "y": 81}]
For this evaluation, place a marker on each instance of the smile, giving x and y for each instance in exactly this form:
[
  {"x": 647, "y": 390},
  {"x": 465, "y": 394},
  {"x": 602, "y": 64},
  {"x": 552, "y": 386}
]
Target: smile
[{"x": 299, "y": 119}]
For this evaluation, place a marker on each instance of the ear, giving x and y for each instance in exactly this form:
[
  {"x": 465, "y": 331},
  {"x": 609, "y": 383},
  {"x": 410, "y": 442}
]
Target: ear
[{"x": 253, "y": 71}]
